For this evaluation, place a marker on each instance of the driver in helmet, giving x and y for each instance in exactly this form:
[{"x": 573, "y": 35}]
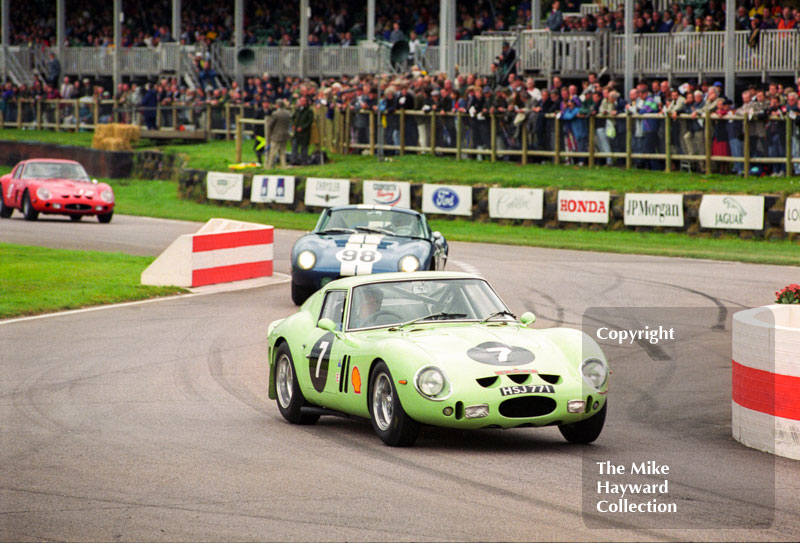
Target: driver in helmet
[{"x": 367, "y": 304}]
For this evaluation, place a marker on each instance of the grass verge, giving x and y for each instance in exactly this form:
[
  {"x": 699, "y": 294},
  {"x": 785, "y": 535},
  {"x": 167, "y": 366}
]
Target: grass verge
[
  {"x": 40, "y": 280},
  {"x": 218, "y": 154},
  {"x": 159, "y": 199}
]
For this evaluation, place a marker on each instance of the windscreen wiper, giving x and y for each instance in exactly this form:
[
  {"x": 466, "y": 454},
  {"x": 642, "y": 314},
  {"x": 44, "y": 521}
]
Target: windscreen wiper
[
  {"x": 375, "y": 230},
  {"x": 336, "y": 231},
  {"x": 497, "y": 314},
  {"x": 432, "y": 316}
]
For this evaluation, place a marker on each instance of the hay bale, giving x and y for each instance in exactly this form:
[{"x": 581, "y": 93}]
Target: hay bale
[
  {"x": 117, "y": 144},
  {"x": 128, "y": 132}
]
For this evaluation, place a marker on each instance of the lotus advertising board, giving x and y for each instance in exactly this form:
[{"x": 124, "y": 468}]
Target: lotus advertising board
[
  {"x": 516, "y": 203},
  {"x": 324, "y": 192},
  {"x": 732, "y": 211},
  {"x": 791, "y": 215},
  {"x": 388, "y": 193},
  {"x": 276, "y": 189},
  {"x": 583, "y": 206},
  {"x": 225, "y": 186},
  {"x": 447, "y": 199},
  {"x": 653, "y": 209}
]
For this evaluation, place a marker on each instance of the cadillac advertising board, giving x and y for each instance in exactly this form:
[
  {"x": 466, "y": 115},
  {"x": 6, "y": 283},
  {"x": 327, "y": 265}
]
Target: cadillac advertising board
[
  {"x": 583, "y": 206},
  {"x": 653, "y": 209},
  {"x": 225, "y": 186},
  {"x": 733, "y": 211},
  {"x": 272, "y": 188},
  {"x": 324, "y": 192},
  {"x": 516, "y": 203},
  {"x": 388, "y": 193},
  {"x": 791, "y": 217},
  {"x": 447, "y": 199}
]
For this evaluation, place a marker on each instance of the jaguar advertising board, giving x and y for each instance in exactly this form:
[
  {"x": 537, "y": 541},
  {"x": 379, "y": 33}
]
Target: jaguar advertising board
[
  {"x": 583, "y": 206},
  {"x": 324, "y": 192},
  {"x": 516, "y": 203},
  {"x": 225, "y": 186},
  {"x": 388, "y": 193},
  {"x": 276, "y": 189},
  {"x": 447, "y": 199},
  {"x": 791, "y": 216},
  {"x": 732, "y": 211},
  {"x": 653, "y": 209}
]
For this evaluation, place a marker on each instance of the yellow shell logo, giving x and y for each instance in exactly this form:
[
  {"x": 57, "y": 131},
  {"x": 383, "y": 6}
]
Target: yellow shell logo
[{"x": 356, "y": 380}]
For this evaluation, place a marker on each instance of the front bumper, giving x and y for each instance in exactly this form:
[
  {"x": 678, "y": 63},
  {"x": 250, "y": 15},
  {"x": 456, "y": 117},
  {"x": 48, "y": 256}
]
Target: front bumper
[{"x": 73, "y": 206}]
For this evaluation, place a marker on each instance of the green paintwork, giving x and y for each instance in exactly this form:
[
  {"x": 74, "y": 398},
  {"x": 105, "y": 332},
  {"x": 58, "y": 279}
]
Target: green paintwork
[{"x": 443, "y": 344}]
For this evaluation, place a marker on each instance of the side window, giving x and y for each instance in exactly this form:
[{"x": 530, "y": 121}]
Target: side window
[
  {"x": 17, "y": 172},
  {"x": 333, "y": 307}
]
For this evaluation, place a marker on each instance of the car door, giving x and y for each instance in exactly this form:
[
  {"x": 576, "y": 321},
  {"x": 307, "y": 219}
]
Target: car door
[
  {"x": 14, "y": 189},
  {"x": 322, "y": 352}
]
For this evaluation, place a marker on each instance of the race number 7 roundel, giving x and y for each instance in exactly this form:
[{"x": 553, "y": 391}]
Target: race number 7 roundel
[
  {"x": 318, "y": 361},
  {"x": 500, "y": 354}
]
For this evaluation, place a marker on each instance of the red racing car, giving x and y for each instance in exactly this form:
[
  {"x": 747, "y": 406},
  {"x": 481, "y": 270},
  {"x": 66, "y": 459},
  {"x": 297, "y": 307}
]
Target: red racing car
[{"x": 49, "y": 185}]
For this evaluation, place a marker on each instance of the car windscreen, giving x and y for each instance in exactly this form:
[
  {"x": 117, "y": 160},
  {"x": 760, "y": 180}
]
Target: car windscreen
[
  {"x": 378, "y": 221},
  {"x": 391, "y": 303},
  {"x": 55, "y": 170}
]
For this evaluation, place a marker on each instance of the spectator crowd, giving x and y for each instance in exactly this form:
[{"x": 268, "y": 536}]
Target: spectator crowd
[{"x": 343, "y": 22}]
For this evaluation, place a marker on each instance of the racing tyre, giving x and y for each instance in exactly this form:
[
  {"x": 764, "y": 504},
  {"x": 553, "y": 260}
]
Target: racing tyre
[
  {"x": 290, "y": 399},
  {"x": 389, "y": 420},
  {"x": 106, "y": 217},
  {"x": 5, "y": 211},
  {"x": 75, "y": 218},
  {"x": 587, "y": 430},
  {"x": 300, "y": 294},
  {"x": 28, "y": 212}
]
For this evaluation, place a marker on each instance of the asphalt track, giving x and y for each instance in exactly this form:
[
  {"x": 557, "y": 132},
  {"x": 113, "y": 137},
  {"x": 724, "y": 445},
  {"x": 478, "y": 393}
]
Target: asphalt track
[{"x": 151, "y": 421}]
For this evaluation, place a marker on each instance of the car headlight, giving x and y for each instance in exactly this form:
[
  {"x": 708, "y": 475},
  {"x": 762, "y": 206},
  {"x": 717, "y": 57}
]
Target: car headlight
[
  {"x": 432, "y": 383},
  {"x": 107, "y": 196},
  {"x": 408, "y": 263},
  {"x": 595, "y": 372},
  {"x": 43, "y": 193},
  {"x": 306, "y": 260}
]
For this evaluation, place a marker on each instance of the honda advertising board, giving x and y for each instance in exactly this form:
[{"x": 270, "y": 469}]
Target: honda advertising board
[
  {"x": 325, "y": 192},
  {"x": 583, "y": 206},
  {"x": 653, "y": 209},
  {"x": 388, "y": 193},
  {"x": 276, "y": 189},
  {"x": 733, "y": 211},
  {"x": 516, "y": 203},
  {"x": 225, "y": 186},
  {"x": 447, "y": 199}
]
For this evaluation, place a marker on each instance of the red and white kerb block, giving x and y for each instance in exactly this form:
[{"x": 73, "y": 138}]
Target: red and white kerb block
[
  {"x": 220, "y": 252},
  {"x": 766, "y": 379}
]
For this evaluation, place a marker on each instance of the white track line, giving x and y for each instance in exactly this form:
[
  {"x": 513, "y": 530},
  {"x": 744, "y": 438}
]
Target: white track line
[
  {"x": 464, "y": 266},
  {"x": 283, "y": 279}
]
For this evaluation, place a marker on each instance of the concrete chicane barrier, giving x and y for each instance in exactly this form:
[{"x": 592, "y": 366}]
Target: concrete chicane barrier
[
  {"x": 221, "y": 251},
  {"x": 766, "y": 379}
]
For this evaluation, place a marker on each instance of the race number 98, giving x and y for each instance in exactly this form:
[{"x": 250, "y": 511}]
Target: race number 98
[{"x": 366, "y": 256}]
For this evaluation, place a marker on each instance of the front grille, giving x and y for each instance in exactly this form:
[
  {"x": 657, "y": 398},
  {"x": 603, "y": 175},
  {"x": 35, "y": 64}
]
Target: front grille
[
  {"x": 527, "y": 406},
  {"x": 78, "y": 207}
]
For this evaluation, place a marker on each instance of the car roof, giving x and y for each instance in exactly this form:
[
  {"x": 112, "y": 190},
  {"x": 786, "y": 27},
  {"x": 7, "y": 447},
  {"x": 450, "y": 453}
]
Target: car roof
[
  {"x": 379, "y": 207},
  {"x": 357, "y": 280},
  {"x": 51, "y": 160}
]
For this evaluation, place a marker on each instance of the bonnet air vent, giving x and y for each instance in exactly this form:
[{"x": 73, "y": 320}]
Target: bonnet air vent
[
  {"x": 519, "y": 378},
  {"x": 486, "y": 382},
  {"x": 552, "y": 379}
]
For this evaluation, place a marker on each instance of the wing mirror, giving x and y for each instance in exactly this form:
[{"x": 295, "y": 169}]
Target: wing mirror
[
  {"x": 327, "y": 325},
  {"x": 94, "y": 181},
  {"x": 437, "y": 236},
  {"x": 527, "y": 318}
]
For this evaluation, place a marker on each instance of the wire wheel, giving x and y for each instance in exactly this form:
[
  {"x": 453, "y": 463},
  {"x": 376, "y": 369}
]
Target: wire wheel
[
  {"x": 383, "y": 401},
  {"x": 284, "y": 381}
]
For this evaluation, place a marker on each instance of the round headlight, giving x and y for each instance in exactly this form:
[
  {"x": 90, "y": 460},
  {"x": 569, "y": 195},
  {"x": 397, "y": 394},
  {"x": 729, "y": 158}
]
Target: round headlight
[
  {"x": 595, "y": 372},
  {"x": 430, "y": 382},
  {"x": 408, "y": 263},
  {"x": 107, "y": 196},
  {"x": 306, "y": 260},
  {"x": 43, "y": 193}
]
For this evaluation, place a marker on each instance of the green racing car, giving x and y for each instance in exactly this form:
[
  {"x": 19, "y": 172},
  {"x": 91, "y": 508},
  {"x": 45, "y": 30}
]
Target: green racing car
[{"x": 435, "y": 348}]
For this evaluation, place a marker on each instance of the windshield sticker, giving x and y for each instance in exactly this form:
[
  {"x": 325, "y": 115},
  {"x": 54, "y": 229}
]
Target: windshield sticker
[
  {"x": 500, "y": 354},
  {"x": 359, "y": 255},
  {"x": 421, "y": 287}
]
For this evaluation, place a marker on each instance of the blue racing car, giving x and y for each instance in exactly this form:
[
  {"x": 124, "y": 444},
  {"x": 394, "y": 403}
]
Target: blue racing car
[{"x": 363, "y": 239}]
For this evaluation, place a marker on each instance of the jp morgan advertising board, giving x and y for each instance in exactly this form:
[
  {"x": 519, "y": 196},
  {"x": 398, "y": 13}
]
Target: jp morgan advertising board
[
  {"x": 516, "y": 203},
  {"x": 447, "y": 199},
  {"x": 732, "y": 211},
  {"x": 225, "y": 186},
  {"x": 653, "y": 209},
  {"x": 324, "y": 192}
]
